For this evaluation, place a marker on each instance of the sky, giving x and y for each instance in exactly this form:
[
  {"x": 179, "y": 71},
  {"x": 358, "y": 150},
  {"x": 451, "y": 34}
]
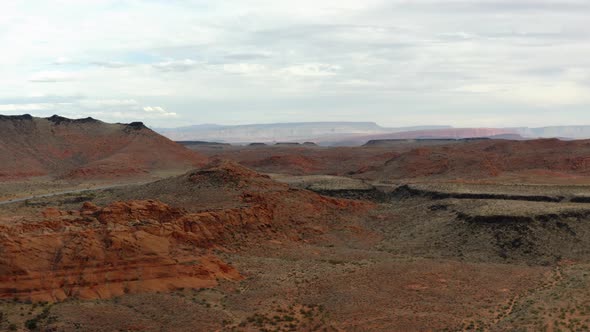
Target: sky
[{"x": 484, "y": 63}]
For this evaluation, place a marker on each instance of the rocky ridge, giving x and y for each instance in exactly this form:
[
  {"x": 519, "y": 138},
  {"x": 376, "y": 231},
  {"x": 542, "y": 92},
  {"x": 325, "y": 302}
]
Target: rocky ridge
[{"x": 146, "y": 245}]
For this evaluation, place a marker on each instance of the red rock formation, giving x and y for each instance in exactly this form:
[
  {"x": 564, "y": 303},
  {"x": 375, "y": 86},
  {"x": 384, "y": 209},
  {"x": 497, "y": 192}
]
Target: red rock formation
[
  {"x": 146, "y": 245},
  {"x": 136, "y": 246}
]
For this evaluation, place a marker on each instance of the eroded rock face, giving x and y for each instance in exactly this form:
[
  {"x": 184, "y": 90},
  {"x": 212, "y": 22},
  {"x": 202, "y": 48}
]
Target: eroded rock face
[
  {"x": 143, "y": 245},
  {"x": 146, "y": 245},
  {"x": 103, "y": 252}
]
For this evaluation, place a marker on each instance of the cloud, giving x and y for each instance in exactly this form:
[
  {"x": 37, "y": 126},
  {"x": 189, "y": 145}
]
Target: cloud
[
  {"x": 311, "y": 69},
  {"x": 110, "y": 64},
  {"x": 176, "y": 65},
  {"x": 156, "y": 109},
  {"x": 506, "y": 6},
  {"x": 244, "y": 68},
  {"x": 159, "y": 111},
  {"x": 108, "y": 103},
  {"x": 52, "y": 77},
  {"x": 62, "y": 61},
  {"x": 11, "y": 108},
  {"x": 246, "y": 57},
  {"x": 106, "y": 109},
  {"x": 395, "y": 61}
]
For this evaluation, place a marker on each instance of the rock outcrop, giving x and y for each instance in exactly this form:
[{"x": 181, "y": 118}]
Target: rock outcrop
[
  {"x": 146, "y": 245},
  {"x": 95, "y": 252}
]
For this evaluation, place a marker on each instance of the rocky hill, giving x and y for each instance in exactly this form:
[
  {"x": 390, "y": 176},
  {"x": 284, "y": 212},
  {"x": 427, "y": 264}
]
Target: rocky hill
[
  {"x": 62, "y": 147},
  {"x": 145, "y": 245}
]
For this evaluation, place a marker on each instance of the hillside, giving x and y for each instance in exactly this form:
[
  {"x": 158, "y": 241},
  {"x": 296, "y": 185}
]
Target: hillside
[
  {"x": 61, "y": 147},
  {"x": 109, "y": 248},
  {"x": 551, "y": 161},
  {"x": 528, "y": 161}
]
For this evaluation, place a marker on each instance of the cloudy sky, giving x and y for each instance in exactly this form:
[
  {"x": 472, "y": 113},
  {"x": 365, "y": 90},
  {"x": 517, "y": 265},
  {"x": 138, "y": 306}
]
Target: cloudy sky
[{"x": 396, "y": 62}]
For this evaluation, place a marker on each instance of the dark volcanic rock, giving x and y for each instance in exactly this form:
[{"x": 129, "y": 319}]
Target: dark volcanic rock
[
  {"x": 136, "y": 126},
  {"x": 407, "y": 191},
  {"x": 15, "y": 117},
  {"x": 56, "y": 119}
]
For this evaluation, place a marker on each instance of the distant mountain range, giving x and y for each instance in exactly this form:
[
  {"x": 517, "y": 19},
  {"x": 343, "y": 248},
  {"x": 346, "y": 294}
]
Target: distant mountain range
[
  {"x": 283, "y": 132},
  {"x": 568, "y": 132},
  {"x": 356, "y": 133}
]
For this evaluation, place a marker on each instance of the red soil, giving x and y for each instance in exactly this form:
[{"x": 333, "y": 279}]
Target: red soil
[
  {"x": 304, "y": 160},
  {"x": 295, "y": 163}
]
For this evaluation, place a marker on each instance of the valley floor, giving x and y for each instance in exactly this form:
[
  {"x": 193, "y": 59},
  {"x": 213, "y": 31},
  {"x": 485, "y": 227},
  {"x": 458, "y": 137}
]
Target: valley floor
[{"x": 311, "y": 288}]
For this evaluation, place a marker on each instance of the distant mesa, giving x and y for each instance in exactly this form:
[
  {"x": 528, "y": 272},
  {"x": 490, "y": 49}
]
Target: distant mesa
[
  {"x": 257, "y": 144},
  {"x": 287, "y": 144},
  {"x": 514, "y": 137},
  {"x": 202, "y": 143},
  {"x": 295, "y": 144},
  {"x": 276, "y": 132},
  {"x": 358, "y": 133},
  {"x": 452, "y": 133},
  {"x": 474, "y": 139},
  {"x": 389, "y": 142}
]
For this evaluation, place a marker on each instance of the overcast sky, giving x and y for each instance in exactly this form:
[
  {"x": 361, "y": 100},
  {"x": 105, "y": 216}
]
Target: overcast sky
[{"x": 397, "y": 62}]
